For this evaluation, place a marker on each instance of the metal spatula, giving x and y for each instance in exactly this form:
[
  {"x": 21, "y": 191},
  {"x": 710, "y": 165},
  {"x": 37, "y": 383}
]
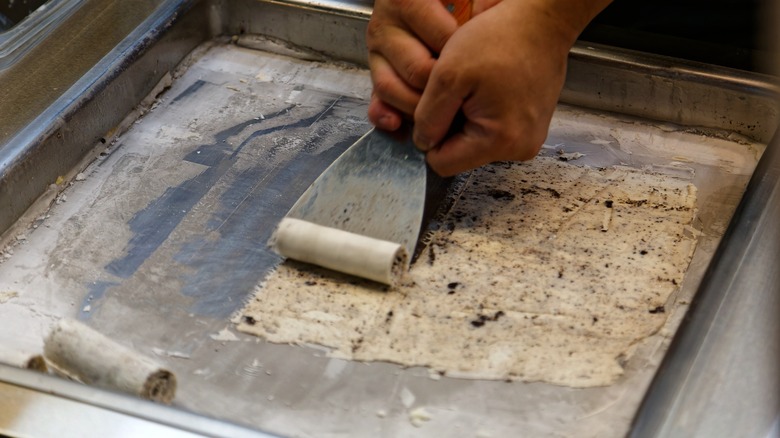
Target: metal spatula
[{"x": 380, "y": 187}]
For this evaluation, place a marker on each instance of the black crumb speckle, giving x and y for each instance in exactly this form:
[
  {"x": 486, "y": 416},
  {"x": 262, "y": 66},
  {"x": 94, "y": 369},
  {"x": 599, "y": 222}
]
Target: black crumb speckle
[
  {"x": 482, "y": 319},
  {"x": 553, "y": 192},
  {"x": 659, "y": 309},
  {"x": 501, "y": 195},
  {"x": 249, "y": 320}
]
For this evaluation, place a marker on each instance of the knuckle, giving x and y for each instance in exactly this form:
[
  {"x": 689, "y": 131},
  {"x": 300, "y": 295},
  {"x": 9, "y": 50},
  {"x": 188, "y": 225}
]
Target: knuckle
[
  {"x": 512, "y": 142},
  {"x": 523, "y": 145},
  {"x": 417, "y": 72},
  {"x": 447, "y": 78},
  {"x": 383, "y": 87},
  {"x": 423, "y": 127},
  {"x": 401, "y": 5},
  {"x": 375, "y": 30}
]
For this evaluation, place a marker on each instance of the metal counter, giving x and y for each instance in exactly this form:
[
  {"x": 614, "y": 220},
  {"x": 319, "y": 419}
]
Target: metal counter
[{"x": 190, "y": 159}]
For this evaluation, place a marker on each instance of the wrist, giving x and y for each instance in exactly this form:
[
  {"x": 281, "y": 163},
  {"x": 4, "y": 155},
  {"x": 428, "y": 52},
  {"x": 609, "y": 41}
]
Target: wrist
[{"x": 568, "y": 18}]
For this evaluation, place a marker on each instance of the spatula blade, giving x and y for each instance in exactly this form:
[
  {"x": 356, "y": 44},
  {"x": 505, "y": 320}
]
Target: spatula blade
[{"x": 376, "y": 188}]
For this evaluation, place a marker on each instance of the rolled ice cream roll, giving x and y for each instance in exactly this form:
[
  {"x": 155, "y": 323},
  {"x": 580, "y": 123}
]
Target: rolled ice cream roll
[
  {"x": 81, "y": 353},
  {"x": 340, "y": 250}
]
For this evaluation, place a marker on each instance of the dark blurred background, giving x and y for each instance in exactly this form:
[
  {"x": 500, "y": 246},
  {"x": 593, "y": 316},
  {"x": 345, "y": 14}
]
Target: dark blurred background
[{"x": 722, "y": 32}]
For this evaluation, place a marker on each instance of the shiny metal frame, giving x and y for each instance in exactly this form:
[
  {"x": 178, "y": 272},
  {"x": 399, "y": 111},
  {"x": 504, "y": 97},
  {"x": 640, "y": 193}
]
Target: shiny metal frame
[
  {"x": 18, "y": 40},
  {"x": 81, "y": 118},
  {"x": 104, "y": 411},
  {"x": 720, "y": 376}
]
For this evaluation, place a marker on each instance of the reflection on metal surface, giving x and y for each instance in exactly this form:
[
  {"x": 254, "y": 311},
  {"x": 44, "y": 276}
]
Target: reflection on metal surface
[
  {"x": 677, "y": 91},
  {"x": 355, "y": 8},
  {"x": 74, "y": 410},
  {"x": 23, "y": 24},
  {"x": 333, "y": 28},
  {"x": 720, "y": 376},
  {"x": 376, "y": 188},
  {"x": 50, "y": 123},
  {"x": 12, "y": 12}
]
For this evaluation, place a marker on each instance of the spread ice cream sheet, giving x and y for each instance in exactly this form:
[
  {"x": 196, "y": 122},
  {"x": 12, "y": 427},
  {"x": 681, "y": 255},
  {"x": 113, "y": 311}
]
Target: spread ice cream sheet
[{"x": 541, "y": 271}]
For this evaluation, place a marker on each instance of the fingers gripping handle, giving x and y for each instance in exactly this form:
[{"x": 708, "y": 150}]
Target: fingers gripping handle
[{"x": 460, "y": 9}]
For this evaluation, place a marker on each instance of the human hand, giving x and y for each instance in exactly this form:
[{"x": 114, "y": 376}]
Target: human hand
[
  {"x": 404, "y": 37},
  {"x": 504, "y": 69}
]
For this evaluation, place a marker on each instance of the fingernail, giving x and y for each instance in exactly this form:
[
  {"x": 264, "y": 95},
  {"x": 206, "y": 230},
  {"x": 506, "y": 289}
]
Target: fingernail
[
  {"x": 422, "y": 142},
  {"x": 389, "y": 122},
  {"x": 385, "y": 122}
]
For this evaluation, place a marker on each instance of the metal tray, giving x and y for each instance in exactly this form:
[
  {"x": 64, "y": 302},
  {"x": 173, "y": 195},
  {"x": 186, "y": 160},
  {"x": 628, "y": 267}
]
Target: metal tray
[{"x": 162, "y": 234}]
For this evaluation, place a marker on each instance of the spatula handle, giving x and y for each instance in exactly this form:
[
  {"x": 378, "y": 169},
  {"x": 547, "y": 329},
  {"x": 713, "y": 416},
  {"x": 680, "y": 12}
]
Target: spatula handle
[{"x": 460, "y": 9}]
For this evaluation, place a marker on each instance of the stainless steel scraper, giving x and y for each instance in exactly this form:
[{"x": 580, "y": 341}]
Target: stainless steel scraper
[
  {"x": 376, "y": 188},
  {"x": 364, "y": 213}
]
